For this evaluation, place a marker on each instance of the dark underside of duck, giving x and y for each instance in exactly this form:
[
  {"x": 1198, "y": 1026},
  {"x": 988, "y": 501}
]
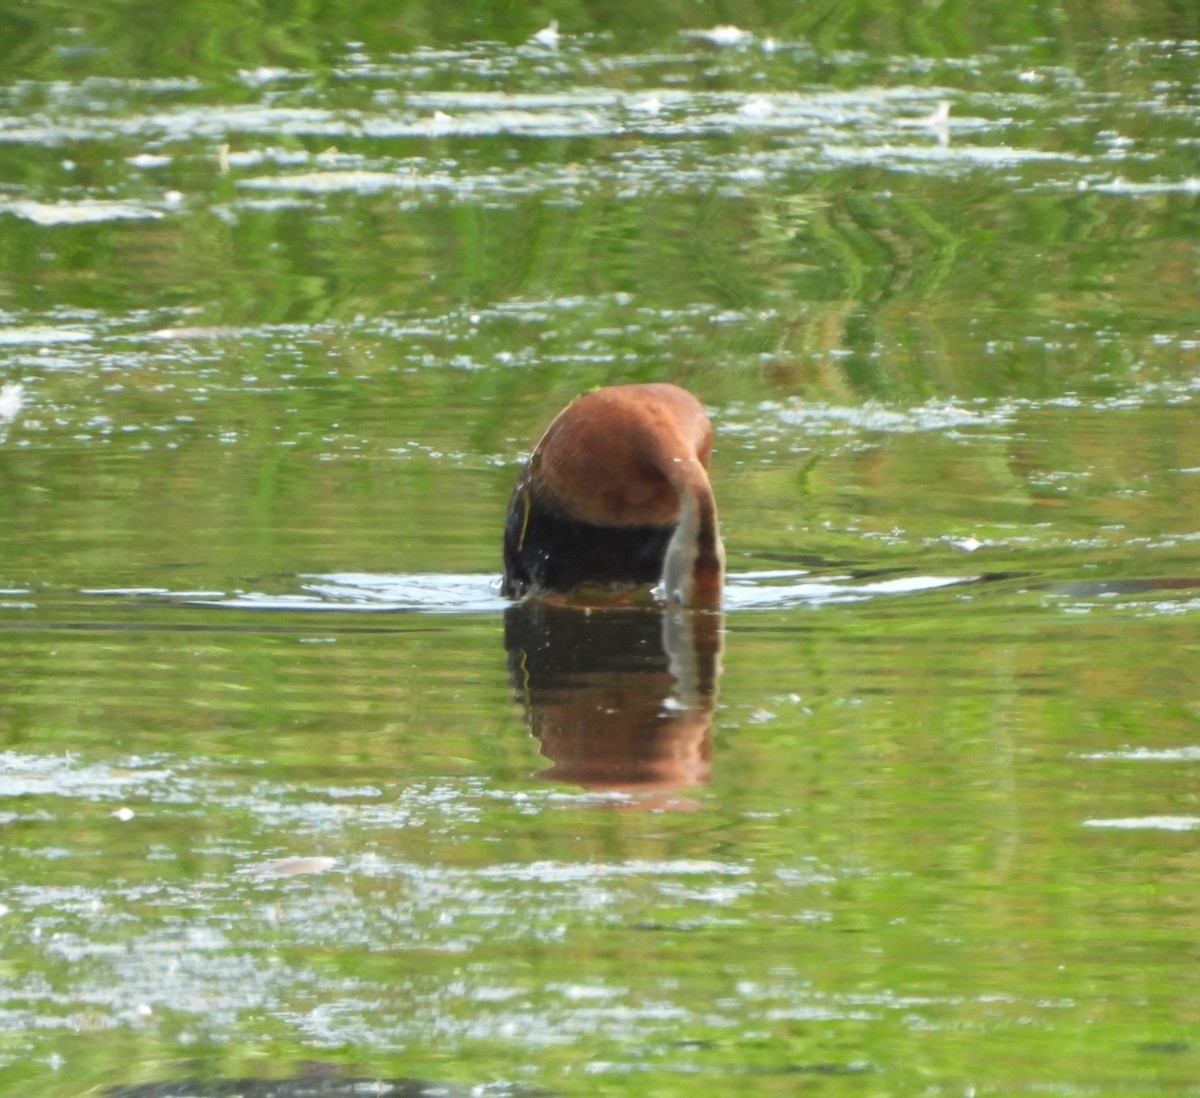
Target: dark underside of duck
[{"x": 545, "y": 550}]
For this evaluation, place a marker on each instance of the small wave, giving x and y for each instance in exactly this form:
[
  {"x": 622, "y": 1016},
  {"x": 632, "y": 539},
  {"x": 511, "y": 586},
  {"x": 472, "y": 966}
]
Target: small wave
[
  {"x": 430, "y": 592},
  {"x": 777, "y": 590}
]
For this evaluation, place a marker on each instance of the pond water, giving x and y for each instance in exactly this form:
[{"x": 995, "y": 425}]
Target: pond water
[{"x": 292, "y": 802}]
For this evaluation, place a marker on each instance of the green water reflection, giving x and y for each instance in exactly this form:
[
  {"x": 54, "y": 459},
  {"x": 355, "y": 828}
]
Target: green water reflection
[{"x": 287, "y": 792}]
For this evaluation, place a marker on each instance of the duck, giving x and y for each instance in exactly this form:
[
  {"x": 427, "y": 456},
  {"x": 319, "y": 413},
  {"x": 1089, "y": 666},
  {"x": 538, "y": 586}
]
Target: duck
[{"x": 617, "y": 495}]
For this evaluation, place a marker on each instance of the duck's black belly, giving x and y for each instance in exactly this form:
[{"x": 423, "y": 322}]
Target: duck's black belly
[{"x": 545, "y": 550}]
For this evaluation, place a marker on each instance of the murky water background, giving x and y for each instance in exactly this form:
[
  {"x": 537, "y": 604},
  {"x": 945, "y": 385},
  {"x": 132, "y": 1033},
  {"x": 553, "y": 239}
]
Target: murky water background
[{"x": 287, "y": 793}]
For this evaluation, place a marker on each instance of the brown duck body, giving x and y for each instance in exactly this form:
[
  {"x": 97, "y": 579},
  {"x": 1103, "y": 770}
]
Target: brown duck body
[{"x": 617, "y": 494}]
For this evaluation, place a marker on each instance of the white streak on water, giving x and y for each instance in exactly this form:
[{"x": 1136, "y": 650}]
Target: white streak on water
[
  {"x": 77, "y": 213},
  {"x": 1148, "y": 754},
  {"x": 1148, "y": 823}
]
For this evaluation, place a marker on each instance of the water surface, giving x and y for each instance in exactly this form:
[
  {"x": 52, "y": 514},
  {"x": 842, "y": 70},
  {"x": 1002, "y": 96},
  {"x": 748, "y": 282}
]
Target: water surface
[{"x": 291, "y": 801}]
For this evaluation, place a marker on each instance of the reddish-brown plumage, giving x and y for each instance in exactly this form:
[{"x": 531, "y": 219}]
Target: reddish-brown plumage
[{"x": 617, "y": 492}]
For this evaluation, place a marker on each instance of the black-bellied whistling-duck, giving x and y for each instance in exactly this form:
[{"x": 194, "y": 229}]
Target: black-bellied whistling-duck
[{"x": 617, "y": 494}]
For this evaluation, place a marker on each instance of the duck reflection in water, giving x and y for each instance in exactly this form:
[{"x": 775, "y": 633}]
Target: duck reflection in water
[
  {"x": 621, "y": 700},
  {"x": 616, "y": 497}
]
